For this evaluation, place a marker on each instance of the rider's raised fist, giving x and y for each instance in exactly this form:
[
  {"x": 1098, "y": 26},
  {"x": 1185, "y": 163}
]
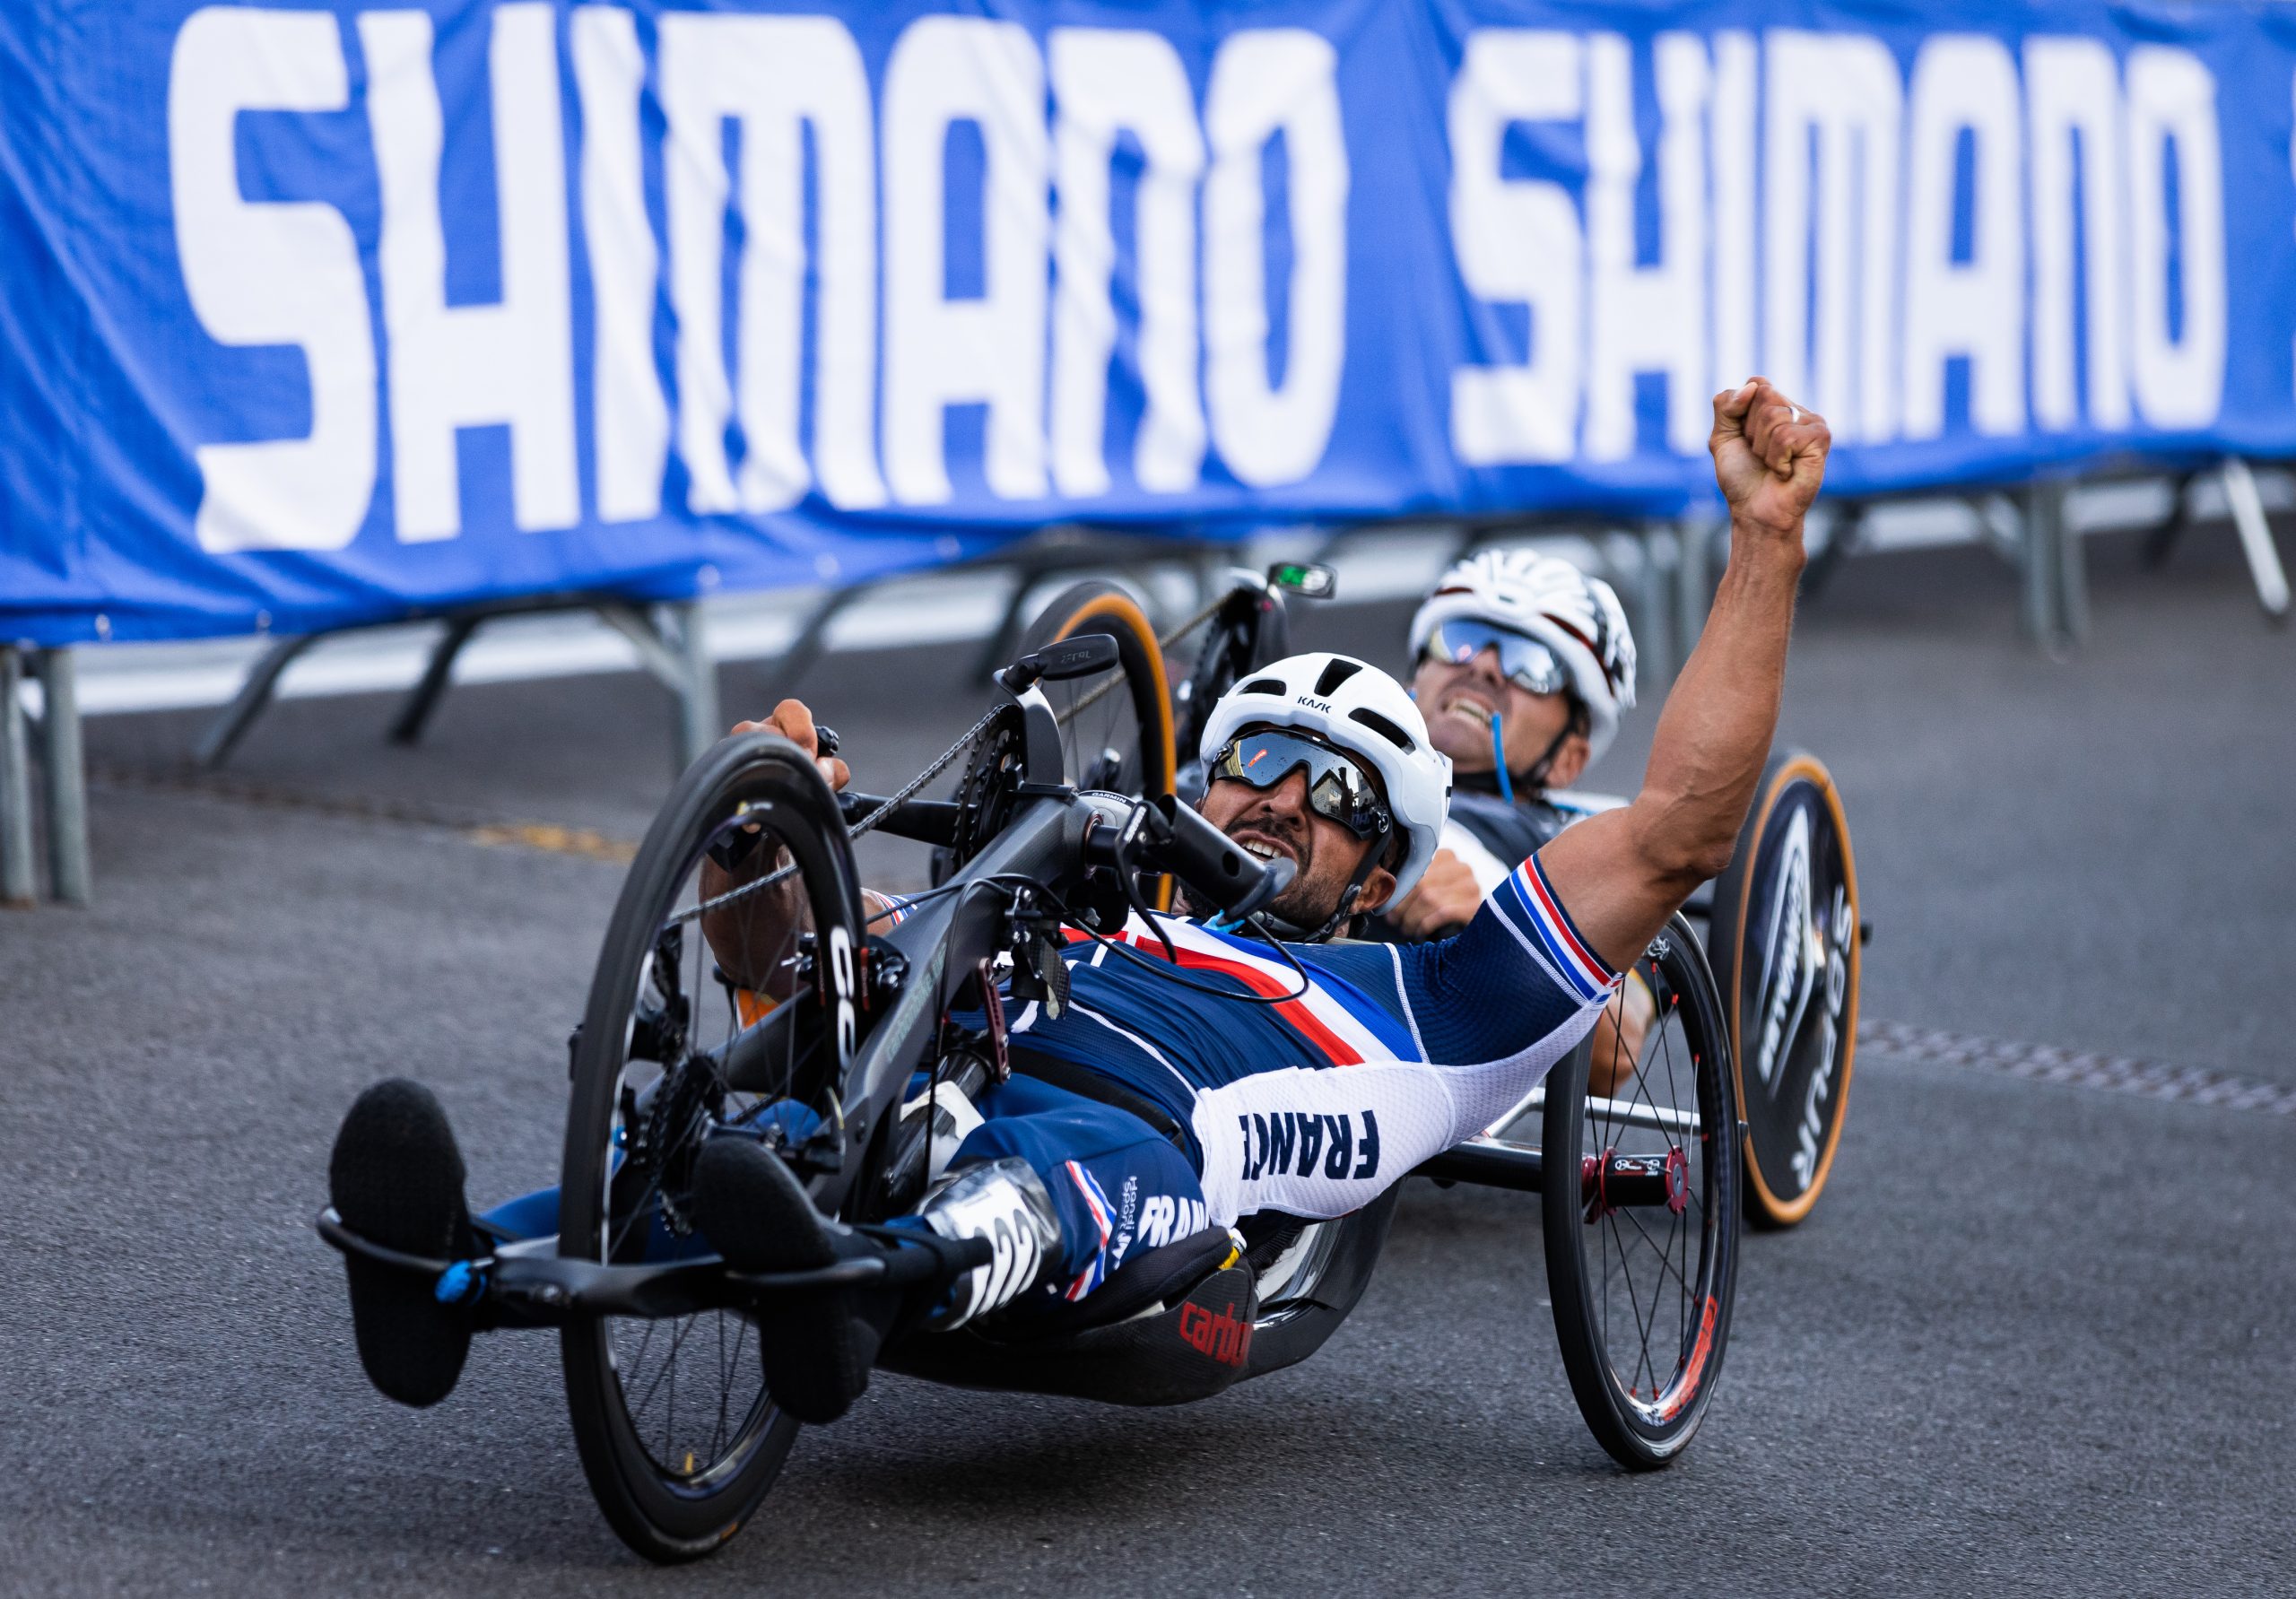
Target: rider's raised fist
[
  {"x": 1769, "y": 455},
  {"x": 794, "y": 721}
]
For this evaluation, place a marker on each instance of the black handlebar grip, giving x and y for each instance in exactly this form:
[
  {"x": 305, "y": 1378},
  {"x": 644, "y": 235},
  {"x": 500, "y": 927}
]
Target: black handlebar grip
[{"x": 1217, "y": 869}]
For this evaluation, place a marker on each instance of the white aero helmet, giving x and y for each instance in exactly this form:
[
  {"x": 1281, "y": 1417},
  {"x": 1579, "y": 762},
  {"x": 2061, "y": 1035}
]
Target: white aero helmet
[
  {"x": 1356, "y": 707},
  {"x": 1546, "y": 598}
]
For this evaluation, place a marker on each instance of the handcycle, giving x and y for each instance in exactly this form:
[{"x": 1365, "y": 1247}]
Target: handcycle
[
  {"x": 814, "y": 1044},
  {"x": 1781, "y": 927}
]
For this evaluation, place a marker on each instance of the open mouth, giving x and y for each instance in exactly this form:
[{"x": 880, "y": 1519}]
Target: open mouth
[
  {"x": 1264, "y": 846},
  {"x": 1472, "y": 707}
]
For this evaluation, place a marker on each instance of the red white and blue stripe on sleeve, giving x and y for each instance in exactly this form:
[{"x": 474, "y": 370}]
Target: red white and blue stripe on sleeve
[{"x": 1526, "y": 903}]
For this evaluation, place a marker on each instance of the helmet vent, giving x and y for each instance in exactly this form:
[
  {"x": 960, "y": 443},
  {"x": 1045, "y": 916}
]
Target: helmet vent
[
  {"x": 1263, "y": 685},
  {"x": 1383, "y": 727},
  {"x": 1338, "y": 673}
]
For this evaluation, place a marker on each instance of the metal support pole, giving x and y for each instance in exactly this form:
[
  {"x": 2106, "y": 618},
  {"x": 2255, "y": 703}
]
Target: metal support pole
[
  {"x": 1693, "y": 586},
  {"x": 2072, "y": 566},
  {"x": 1004, "y": 637},
  {"x": 215, "y": 746},
  {"x": 2162, "y": 540},
  {"x": 67, "y": 776},
  {"x": 416, "y": 714},
  {"x": 1653, "y": 601},
  {"x": 1844, "y": 534},
  {"x": 699, "y": 726},
  {"x": 2043, "y": 591},
  {"x": 19, "y": 880},
  {"x": 2256, "y": 539},
  {"x": 807, "y": 647}
]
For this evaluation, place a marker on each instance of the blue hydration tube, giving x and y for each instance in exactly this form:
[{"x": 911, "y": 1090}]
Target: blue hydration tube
[{"x": 1499, "y": 759}]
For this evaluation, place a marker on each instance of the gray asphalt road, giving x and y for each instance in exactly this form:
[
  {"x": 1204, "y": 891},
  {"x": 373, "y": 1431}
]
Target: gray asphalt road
[{"x": 2034, "y": 1337}]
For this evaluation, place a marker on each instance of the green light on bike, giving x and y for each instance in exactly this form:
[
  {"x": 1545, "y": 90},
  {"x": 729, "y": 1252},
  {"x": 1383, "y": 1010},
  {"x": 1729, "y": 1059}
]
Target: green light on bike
[{"x": 1306, "y": 578}]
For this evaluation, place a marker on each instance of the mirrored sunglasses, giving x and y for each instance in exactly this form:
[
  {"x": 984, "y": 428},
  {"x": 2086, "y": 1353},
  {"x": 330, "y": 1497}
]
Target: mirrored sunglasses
[
  {"x": 1338, "y": 789},
  {"x": 1525, "y": 662}
]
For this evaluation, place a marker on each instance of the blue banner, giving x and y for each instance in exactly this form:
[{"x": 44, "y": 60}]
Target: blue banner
[{"x": 312, "y": 316}]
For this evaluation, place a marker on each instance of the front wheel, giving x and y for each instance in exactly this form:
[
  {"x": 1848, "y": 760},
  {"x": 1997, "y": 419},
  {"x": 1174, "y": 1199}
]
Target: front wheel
[
  {"x": 1116, "y": 726},
  {"x": 677, "y": 1435},
  {"x": 1640, "y": 1207}
]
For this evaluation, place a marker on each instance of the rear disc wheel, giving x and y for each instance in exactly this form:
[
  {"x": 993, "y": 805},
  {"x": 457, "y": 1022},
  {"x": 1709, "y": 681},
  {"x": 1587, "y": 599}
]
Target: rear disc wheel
[{"x": 1785, "y": 943}]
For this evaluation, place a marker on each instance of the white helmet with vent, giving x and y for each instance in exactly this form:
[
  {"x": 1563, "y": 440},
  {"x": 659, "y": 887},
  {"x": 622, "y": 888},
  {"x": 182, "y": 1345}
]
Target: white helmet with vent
[
  {"x": 1546, "y": 598},
  {"x": 1356, "y": 707}
]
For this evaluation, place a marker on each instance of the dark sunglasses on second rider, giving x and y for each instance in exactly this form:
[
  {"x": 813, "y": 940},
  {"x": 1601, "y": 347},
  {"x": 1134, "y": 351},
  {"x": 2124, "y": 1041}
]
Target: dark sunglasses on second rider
[
  {"x": 1525, "y": 662},
  {"x": 1338, "y": 788}
]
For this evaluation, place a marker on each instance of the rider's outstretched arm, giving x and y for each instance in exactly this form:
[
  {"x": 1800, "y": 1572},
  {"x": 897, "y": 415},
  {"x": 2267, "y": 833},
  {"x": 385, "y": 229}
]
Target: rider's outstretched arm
[{"x": 1624, "y": 871}]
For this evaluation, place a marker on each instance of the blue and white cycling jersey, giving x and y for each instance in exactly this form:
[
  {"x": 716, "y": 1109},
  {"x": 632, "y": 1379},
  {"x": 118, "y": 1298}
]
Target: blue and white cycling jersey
[
  {"x": 1310, "y": 1104},
  {"x": 1517, "y": 973}
]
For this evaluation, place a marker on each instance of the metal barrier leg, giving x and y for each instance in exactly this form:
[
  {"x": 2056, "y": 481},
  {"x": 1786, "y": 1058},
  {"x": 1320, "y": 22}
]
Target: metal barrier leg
[
  {"x": 2043, "y": 591},
  {"x": 2162, "y": 540},
  {"x": 699, "y": 726},
  {"x": 1693, "y": 587},
  {"x": 1653, "y": 596},
  {"x": 806, "y": 648},
  {"x": 67, "y": 776},
  {"x": 215, "y": 746},
  {"x": 1842, "y": 539},
  {"x": 414, "y": 715},
  {"x": 2072, "y": 566},
  {"x": 1004, "y": 637},
  {"x": 18, "y": 879},
  {"x": 2256, "y": 539},
  {"x": 2036, "y": 594}
]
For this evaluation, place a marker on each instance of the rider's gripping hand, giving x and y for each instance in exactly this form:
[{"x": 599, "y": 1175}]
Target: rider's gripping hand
[
  {"x": 1769, "y": 457},
  {"x": 1446, "y": 899},
  {"x": 794, "y": 721}
]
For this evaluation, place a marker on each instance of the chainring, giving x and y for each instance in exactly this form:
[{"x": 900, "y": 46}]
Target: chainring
[{"x": 986, "y": 794}]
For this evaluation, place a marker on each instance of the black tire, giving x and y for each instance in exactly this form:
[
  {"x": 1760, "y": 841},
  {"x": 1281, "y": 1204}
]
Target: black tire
[
  {"x": 1127, "y": 713},
  {"x": 1129, "y": 709},
  {"x": 1784, "y": 939},
  {"x": 669, "y": 1495},
  {"x": 1642, "y": 1293}
]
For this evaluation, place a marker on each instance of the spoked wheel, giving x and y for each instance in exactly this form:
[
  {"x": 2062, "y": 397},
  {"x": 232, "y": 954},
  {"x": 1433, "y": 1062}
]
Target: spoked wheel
[
  {"x": 1115, "y": 727},
  {"x": 677, "y": 1435},
  {"x": 1640, "y": 1200},
  {"x": 1785, "y": 946}
]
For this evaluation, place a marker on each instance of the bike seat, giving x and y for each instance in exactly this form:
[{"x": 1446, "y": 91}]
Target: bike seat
[{"x": 1172, "y": 1326}]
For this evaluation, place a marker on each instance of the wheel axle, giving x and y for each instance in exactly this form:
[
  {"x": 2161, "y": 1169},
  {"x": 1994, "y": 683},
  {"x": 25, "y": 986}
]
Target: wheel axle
[{"x": 1612, "y": 1181}]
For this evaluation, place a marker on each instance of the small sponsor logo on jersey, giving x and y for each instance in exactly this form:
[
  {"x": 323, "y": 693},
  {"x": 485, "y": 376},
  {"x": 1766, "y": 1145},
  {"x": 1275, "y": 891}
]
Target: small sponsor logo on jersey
[
  {"x": 1222, "y": 1335},
  {"x": 1289, "y": 1144},
  {"x": 1127, "y": 1212}
]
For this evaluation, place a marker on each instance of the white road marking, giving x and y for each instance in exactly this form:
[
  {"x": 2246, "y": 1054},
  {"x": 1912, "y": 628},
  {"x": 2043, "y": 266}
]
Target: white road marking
[{"x": 2076, "y": 1068}]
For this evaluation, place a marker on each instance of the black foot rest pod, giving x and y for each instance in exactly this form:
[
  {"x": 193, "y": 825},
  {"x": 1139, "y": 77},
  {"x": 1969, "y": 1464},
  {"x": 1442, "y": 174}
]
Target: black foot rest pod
[{"x": 1172, "y": 1326}]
